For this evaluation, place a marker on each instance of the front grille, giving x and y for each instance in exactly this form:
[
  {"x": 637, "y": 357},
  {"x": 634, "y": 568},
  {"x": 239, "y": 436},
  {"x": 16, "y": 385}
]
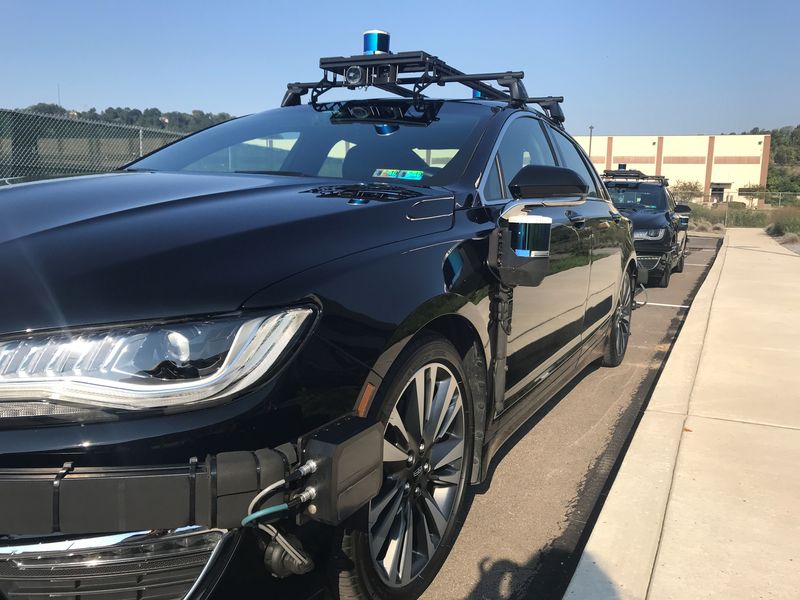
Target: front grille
[
  {"x": 648, "y": 262},
  {"x": 146, "y": 566}
]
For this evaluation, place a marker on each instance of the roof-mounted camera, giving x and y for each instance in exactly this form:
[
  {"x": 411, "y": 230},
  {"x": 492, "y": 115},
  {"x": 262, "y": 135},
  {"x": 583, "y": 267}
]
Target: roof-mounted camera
[{"x": 378, "y": 67}]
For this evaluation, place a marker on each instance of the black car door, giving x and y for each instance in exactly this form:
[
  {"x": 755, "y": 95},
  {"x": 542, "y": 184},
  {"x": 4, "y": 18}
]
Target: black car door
[
  {"x": 604, "y": 232},
  {"x": 547, "y": 319}
]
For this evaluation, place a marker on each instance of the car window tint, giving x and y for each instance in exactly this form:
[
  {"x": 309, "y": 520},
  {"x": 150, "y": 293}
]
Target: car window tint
[
  {"x": 425, "y": 144},
  {"x": 571, "y": 159},
  {"x": 257, "y": 154},
  {"x": 523, "y": 144},
  {"x": 492, "y": 189}
]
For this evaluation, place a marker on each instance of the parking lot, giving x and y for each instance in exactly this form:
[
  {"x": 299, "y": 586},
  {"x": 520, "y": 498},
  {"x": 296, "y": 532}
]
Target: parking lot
[{"x": 527, "y": 525}]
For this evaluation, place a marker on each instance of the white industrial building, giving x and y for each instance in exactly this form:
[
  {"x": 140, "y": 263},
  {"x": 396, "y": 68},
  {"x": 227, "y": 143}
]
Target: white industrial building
[{"x": 724, "y": 165}]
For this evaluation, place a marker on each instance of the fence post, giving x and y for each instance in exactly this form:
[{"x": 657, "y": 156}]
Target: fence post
[{"x": 141, "y": 145}]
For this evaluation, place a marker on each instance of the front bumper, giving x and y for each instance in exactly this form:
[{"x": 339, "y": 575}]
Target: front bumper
[
  {"x": 143, "y": 565},
  {"x": 214, "y": 493},
  {"x": 649, "y": 262}
]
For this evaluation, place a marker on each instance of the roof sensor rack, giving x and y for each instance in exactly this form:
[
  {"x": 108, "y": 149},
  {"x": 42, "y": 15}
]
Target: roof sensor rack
[
  {"x": 635, "y": 174},
  {"x": 419, "y": 70}
]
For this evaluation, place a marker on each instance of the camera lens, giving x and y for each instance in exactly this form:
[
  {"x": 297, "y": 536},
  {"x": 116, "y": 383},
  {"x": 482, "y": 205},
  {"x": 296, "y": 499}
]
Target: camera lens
[
  {"x": 354, "y": 75},
  {"x": 359, "y": 112}
]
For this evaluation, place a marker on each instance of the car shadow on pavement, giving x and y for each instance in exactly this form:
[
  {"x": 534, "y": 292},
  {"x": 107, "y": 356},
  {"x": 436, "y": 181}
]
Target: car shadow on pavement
[{"x": 507, "y": 580}]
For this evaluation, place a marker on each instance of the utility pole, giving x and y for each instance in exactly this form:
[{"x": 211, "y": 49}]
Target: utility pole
[
  {"x": 591, "y": 129},
  {"x": 58, "y": 86}
]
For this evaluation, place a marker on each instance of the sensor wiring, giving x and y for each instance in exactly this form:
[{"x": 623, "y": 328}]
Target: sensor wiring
[
  {"x": 263, "y": 494},
  {"x": 265, "y": 512},
  {"x": 302, "y": 471}
]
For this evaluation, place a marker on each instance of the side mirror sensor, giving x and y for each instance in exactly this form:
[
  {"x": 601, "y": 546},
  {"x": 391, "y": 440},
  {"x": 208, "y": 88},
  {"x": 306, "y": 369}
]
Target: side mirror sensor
[
  {"x": 519, "y": 249},
  {"x": 540, "y": 181},
  {"x": 683, "y": 208}
]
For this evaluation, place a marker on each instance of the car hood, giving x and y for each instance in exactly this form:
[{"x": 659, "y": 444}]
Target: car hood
[
  {"x": 128, "y": 246},
  {"x": 646, "y": 218}
]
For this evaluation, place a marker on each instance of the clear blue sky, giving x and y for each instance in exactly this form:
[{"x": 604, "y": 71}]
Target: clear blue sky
[{"x": 701, "y": 66}]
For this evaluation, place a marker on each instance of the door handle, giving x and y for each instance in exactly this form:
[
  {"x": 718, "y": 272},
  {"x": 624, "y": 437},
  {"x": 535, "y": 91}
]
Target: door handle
[{"x": 575, "y": 218}]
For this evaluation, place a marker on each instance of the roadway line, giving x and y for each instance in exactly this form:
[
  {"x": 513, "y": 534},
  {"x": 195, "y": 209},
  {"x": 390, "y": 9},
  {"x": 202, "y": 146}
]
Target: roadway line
[{"x": 666, "y": 305}]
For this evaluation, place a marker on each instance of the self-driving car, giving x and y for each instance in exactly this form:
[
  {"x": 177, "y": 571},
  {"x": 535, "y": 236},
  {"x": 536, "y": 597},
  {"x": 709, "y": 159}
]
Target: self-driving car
[
  {"x": 276, "y": 353},
  {"x": 659, "y": 223}
]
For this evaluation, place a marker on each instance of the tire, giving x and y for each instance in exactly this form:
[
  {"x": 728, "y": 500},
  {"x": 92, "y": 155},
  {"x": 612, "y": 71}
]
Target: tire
[
  {"x": 617, "y": 344},
  {"x": 390, "y": 560},
  {"x": 679, "y": 267}
]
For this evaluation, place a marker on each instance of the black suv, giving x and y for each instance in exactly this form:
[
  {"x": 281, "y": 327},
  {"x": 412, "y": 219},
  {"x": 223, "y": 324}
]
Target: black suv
[
  {"x": 659, "y": 224},
  {"x": 277, "y": 351}
]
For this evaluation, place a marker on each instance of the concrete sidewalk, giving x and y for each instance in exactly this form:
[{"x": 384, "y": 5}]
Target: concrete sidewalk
[{"x": 706, "y": 503}]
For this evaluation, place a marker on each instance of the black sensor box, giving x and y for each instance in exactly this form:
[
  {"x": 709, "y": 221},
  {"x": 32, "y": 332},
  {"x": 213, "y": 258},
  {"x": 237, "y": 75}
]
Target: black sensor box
[{"x": 349, "y": 457}]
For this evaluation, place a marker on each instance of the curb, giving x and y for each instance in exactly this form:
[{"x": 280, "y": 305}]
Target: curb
[{"x": 618, "y": 560}]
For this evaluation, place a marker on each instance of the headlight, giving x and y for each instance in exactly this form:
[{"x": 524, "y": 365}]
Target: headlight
[
  {"x": 648, "y": 234},
  {"x": 143, "y": 366}
]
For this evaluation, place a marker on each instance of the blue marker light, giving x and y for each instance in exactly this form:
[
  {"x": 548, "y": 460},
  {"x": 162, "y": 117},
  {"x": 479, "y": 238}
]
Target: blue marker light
[
  {"x": 376, "y": 41},
  {"x": 476, "y": 94}
]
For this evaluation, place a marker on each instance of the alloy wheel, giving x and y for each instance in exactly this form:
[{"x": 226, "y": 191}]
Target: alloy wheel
[
  {"x": 423, "y": 462},
  {"x": 622, "y": 320}
]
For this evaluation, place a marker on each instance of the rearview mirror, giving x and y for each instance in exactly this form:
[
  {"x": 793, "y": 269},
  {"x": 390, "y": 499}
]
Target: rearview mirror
[
  {"x": 682, "y": 208},
  {"x": 540, "y": 181}
]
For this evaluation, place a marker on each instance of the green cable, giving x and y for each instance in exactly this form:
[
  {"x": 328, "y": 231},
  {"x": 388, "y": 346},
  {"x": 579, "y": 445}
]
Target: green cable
[{"x": 263, "y": 513}]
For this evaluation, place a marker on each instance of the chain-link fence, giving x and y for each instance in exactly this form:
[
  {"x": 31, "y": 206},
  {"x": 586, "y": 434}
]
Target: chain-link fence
[
  {"x": 37, "y": 145},
  {"x": 776, "y": 199}
]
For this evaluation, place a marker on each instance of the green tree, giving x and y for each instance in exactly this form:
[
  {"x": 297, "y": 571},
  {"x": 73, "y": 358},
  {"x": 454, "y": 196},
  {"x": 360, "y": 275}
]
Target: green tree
[
  {"x": 686, "y": 191},
  {"x": 47, "y": 109}
]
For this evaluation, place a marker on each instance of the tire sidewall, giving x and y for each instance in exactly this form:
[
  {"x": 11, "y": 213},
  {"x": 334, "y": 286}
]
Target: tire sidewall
[
  {"x": 419, "y": 353},
  {"x": 611, "y": 358}
]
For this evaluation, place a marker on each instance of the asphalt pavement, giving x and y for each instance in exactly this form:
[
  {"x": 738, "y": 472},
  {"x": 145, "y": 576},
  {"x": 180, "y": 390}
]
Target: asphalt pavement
[{"x": 528, "y": 524}]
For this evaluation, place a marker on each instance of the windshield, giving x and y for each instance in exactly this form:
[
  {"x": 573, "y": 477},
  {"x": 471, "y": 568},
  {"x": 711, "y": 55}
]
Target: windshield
[
  {"x": 388, "y": 141},
  {"x": 636, "y": 196}
]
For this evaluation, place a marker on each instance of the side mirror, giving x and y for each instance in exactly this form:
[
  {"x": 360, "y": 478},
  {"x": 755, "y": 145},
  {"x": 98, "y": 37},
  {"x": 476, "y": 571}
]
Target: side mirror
[
  {"x": 683, "y": 208},
  {"x": 539, "y": 181}
]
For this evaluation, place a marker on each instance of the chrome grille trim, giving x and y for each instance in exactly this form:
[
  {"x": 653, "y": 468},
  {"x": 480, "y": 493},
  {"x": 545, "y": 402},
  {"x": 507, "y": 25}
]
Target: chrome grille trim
[{"x": 155, "y": 564}]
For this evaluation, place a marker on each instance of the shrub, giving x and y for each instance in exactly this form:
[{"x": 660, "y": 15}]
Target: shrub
[
  {"x": 791, "y": 238},
  {"x": 784, "y": 221},
  {"x": 718, "y": 227},
  {"x": 774, "y": 229}
]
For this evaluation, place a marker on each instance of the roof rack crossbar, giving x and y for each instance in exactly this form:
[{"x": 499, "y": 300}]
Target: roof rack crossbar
[
  {"x": 385, "y": 71},
  {"x": 634, "y": 174}
]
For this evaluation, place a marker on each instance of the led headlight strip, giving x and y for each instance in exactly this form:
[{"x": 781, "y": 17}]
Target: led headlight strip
[
  {"x": 648, "y": 234},
  {"x": 145, "y": 367}
]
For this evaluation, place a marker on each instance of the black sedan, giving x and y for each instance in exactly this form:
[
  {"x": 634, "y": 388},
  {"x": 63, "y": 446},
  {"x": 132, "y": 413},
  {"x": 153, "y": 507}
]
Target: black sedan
[
  {"x": 196, "y": 352},
  {"x": 659, "y": 223}
]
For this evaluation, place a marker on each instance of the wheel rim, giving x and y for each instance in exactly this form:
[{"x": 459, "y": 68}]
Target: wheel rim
[
  {"x": 622, "y": 322},
  {"x": 423, "y": 461}
]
